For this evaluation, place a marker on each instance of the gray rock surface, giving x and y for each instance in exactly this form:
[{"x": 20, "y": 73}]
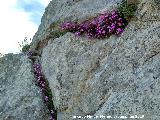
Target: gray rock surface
[
  {"x": 19, "y": 96},
  {"x": 116, "y": 76},
  {"x": 59, "y": 11}
]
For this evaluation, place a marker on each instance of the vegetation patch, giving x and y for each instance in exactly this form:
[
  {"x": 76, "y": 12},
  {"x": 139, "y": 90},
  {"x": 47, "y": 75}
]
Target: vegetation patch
[
  {"x": 24, "y": 45},
  {"x": 127, "y": 9},
  {"x": 45, "y": 90},
  {"x": 106, "y": 24},
  {"x": 44, "y": 87}
]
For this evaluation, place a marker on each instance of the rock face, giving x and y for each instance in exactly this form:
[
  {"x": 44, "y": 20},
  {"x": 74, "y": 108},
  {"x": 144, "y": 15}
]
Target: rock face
[
  {"x": 19, "y": 96},
  {"x": 74, "y": 10},
  {"x": 116, "y": 76}
]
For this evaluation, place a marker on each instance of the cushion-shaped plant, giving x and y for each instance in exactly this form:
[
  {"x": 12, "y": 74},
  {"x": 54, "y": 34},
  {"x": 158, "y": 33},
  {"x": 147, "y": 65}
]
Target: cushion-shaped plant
[
  {"x": 127, "y": 9},
  {"x": 105, "y": 24},
  {"x": 101, "y": 26}
]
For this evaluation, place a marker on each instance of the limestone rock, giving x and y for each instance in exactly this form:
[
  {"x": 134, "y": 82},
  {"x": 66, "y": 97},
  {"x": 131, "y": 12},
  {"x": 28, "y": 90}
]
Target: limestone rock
[{"x": 19, "y": 96}]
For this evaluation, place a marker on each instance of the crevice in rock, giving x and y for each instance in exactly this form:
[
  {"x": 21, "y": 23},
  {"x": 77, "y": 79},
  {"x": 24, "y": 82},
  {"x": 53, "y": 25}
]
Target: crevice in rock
[
  {"x": 151, "y": 56},
  {"x": 42, "y": 82}
]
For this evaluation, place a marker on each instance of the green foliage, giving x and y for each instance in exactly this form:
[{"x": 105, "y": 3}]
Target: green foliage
[
  {"x": 24, "y": 45},
  {"x": 56, "y": 34},
  {"x": 25, "y": 48},
  {"x": 54, "y": 31},
  {"x": 127, "y": 9}
]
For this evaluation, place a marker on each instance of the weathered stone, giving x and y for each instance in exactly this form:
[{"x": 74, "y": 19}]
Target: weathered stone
[
  {"x": 149, "y": 10},
  {"x": 72, "y": 10},
  {"x": 115, "y": 76},
  {"x": 20, "y": 98}
]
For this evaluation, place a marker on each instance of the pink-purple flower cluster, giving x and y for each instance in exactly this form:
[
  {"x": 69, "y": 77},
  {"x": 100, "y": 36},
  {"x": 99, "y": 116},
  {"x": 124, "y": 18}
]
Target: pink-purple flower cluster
[
  {"x": 43, "y": 88},
  {"x": 101, "y": 26}
]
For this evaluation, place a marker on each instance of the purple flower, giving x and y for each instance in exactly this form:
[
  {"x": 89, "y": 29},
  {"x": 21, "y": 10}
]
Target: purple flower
[
  {"x": 119, "y": 19},
  {"x": 99, "y": 31},
  {"x": 38, "y": 78},
  {"x": 98, "y": 27},
  {"x": 46, "y": 98},
  {"x": 119, "y": 24},
  {"x": 103, "y": 31},
  {"x": 52, "y": 111},
  {"x": 113, "y": 12},
  {"x": 110, "y": 30},
  {"x": 119, "y": 30},
  {"x": 101, "y": 17},
  {"x": 51, "y": 118},
  {"x": 43, "y": 85},
  {"x": 110, "y": 18},
  {"x": 94, "y": 22},
  {"x": 77, "y": 34},
  {"x": 113, "y": 26}
]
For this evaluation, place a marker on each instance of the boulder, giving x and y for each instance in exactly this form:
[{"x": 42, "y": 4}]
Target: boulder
[
  {"x": 69, "y": 10},
  {"x": 113, "y": 77},
  {"x": 20, "y": 98}
]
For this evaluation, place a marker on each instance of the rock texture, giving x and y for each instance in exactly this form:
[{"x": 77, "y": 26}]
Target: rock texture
[
  {"x": 74, "y": 10},
  {"x": 19, "y": 96},
  {"x": 115, "y": 76}
]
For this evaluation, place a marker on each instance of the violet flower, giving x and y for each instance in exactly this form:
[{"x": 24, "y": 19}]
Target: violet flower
[
  {"x": 46, "y": 98},
  {"x": 119, "y": 30},
  {"x": 77, "y": 34},
  {"x": 98, "y": 27}
]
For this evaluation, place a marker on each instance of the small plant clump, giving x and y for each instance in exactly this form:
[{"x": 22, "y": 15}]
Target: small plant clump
[
  {"x": 99, "y": 27},
  {"x": 24, "y": 45},
  {"x": 127, "y": 8},
  {"x": 103, "y": 25}
]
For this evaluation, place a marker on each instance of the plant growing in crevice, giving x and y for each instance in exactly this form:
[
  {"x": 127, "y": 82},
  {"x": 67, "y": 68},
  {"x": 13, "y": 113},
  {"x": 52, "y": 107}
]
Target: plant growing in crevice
[
  {"x": 24, "y": 45},
  {"x": 43, "y": 85},
  {"x": 105, "y": 24},
  {"x": 101, "y": 26},
  {"x": 45, "y": 90},
  {"x": 127, "y": 9},
  {"x": 54, "y": 30}
]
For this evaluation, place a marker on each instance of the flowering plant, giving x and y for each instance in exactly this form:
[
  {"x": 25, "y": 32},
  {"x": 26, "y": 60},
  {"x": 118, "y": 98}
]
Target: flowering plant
[
  {"x": 103, "y": 25},
  {"x": 46, "y": 92}
]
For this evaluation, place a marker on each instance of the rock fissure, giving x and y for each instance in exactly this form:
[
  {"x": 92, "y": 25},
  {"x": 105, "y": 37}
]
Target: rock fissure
[
  {"x": 43, "y": 84},
  {"x": 86, "y": 77}
]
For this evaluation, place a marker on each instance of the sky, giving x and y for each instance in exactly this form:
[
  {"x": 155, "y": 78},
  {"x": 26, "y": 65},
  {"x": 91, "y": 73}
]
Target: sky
[{"x": 19, "y": 19}]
